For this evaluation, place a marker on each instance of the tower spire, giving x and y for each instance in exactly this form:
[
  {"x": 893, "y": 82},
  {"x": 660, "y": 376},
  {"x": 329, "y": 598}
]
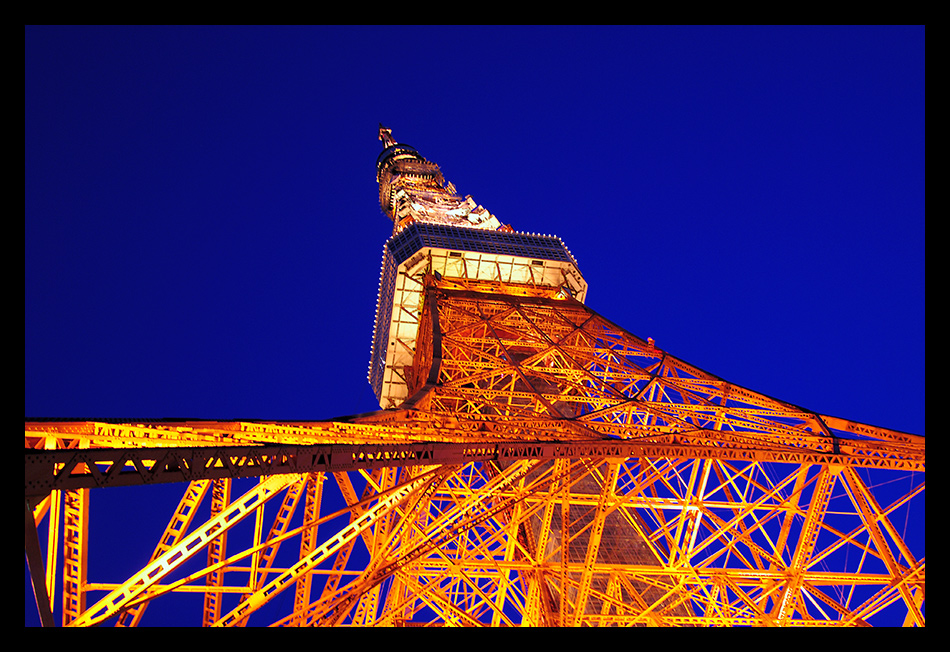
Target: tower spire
[
  {"x": 386, "y": 135},
  {"x": 412, "y": 189}
]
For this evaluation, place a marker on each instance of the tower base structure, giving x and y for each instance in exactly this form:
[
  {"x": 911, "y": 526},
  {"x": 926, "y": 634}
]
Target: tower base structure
[{"x": 548, "y": 468}]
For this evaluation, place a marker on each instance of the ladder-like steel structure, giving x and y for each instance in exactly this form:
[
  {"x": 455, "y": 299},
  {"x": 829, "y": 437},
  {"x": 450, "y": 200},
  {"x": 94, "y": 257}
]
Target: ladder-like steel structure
[{"x": 535, "y": 464}]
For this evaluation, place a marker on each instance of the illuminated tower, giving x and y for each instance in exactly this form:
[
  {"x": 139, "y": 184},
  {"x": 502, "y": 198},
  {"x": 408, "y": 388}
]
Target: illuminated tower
[{"x": 533, "y": 464}]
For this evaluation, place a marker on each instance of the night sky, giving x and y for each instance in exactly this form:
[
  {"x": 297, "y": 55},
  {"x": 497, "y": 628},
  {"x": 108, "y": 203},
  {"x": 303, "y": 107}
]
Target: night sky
[{"x": 203, "y": 237}]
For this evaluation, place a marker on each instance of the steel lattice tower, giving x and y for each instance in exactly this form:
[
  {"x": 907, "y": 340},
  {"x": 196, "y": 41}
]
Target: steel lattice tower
[{"x": 532, "y": 464}]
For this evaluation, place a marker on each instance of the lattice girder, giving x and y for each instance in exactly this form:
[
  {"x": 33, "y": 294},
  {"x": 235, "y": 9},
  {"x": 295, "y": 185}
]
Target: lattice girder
[{"x": 549, "y": 468}]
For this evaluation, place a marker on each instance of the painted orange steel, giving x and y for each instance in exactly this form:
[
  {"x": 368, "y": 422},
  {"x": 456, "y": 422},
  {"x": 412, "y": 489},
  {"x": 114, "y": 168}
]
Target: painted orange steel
[
  {"x": 742, "y": 510},
  {"x": 547, "y": 469}
]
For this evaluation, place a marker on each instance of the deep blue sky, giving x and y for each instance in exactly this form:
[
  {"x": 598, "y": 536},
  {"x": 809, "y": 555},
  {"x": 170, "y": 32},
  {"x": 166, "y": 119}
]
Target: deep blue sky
[{"x": 203, "y": 239}]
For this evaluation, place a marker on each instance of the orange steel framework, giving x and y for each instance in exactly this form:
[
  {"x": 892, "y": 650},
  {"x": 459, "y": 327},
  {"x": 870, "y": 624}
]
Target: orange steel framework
[{"x": 535, "y": 465}]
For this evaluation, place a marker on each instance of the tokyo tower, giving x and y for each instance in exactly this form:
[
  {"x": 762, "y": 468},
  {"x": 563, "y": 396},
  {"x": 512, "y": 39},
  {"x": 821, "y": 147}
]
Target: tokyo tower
[{"x": 532, "y": 463}]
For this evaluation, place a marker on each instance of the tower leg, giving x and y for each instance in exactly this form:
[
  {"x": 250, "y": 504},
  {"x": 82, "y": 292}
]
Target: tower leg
[{"x": 34, "y": 558}]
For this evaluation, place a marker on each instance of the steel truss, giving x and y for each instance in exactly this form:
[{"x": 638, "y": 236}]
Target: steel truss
[{"x": 549, "y": 468}]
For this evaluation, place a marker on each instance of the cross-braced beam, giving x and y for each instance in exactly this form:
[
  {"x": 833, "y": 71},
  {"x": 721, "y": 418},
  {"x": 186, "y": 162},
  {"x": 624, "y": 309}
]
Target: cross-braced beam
[{"x": 548, "y": 468}]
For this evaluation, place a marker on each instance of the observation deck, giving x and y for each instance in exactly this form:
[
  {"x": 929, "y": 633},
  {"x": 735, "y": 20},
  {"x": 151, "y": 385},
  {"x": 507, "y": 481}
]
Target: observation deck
[{"x": 512, "y": 258}]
